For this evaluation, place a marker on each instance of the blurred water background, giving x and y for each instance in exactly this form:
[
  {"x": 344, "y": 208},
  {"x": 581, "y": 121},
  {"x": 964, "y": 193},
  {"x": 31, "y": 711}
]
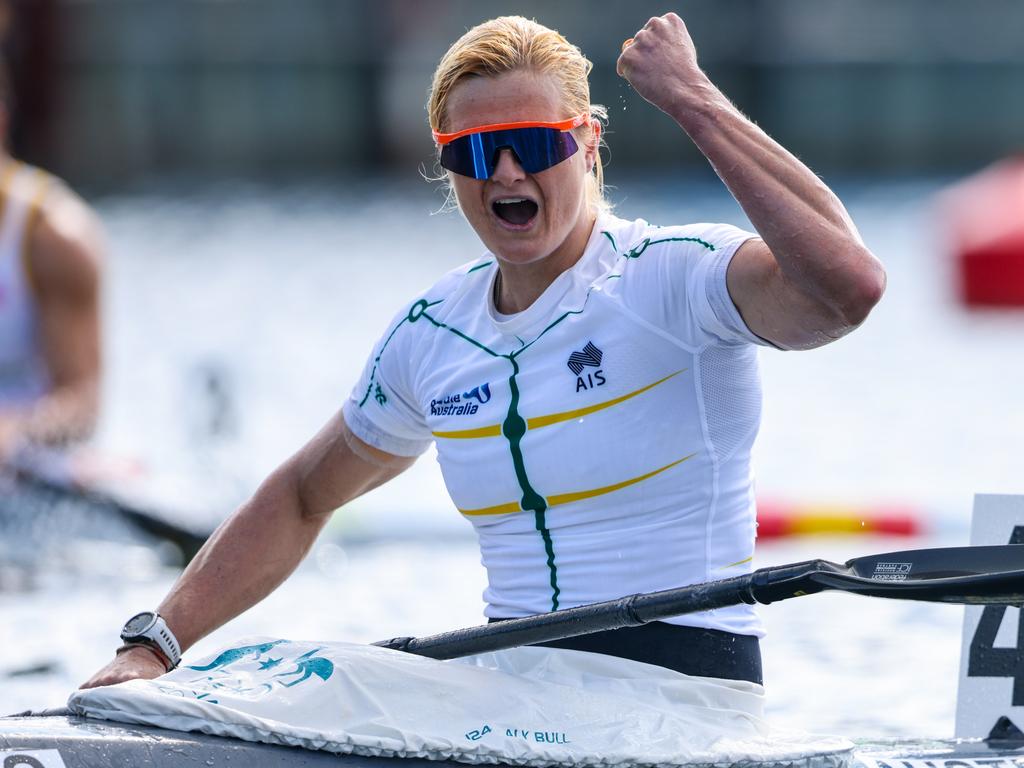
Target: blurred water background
[{"x": 256, "y": 172}]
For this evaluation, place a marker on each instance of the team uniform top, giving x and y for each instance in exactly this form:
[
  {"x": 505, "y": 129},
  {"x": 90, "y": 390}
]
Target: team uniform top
[
  {"x": 599, "y": 441},
  {"x": 22, "y": 368}
]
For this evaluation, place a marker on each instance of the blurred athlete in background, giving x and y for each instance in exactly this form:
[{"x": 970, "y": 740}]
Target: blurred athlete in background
[{"x": 50, "y": 264}]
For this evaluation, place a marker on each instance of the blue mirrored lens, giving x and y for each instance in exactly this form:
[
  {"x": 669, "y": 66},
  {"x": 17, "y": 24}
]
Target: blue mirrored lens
[{"x": 536, "y": 149}]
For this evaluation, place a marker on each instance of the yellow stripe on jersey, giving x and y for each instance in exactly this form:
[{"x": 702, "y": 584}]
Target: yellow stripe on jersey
[
  {"x": 500, "y": 509},
  {"x": 744, "y": 561},
  {"x": 568, "y": 498},
  {"x": 536, "y": 422},
  {"x": 494, "y": 430},
  {"x": 542, "y": 421}
]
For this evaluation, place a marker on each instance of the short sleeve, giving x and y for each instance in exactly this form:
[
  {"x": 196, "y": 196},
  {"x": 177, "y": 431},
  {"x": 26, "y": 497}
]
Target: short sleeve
[
  {"x": 382, "y": 410},
  {"x": 679, "y": 284},
  {"x": 707, "y": 289}
]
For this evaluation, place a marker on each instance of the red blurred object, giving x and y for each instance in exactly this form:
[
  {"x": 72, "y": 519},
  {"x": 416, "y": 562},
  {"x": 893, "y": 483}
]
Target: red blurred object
[
  {"x": 984, "y": 215},
  {"x": 778, "y": 520}
]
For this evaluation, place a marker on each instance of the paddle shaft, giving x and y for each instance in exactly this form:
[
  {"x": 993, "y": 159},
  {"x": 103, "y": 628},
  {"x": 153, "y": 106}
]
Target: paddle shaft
[
  {"x": 991, "y": 574},
  {"x": 630, "y": 611}
]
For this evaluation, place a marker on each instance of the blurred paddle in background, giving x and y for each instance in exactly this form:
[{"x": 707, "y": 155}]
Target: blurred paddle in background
[{"x": 61, "y": 494}]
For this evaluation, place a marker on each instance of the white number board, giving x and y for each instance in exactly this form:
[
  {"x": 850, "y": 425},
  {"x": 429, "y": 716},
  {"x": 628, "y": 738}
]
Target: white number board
[
  {"x": 991, "y": 697},
  {"x": 31, "y": 758}
]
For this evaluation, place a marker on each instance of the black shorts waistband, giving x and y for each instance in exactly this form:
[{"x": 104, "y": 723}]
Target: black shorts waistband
[{"x": 690, "y": 650}]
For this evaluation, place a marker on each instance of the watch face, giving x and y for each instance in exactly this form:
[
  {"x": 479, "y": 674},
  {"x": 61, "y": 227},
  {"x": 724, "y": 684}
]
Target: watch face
[{"x": 138, "y": 624}]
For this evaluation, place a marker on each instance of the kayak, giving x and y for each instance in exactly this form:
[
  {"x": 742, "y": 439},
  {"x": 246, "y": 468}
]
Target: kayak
[
  {"x": 66, "y": 741},
  {"x": 242, "y": 691},
  {"x": 56, "y": 739}
]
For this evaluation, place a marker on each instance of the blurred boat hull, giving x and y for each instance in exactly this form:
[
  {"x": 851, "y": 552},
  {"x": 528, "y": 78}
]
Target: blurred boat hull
[{"x": 61, "y": 741}]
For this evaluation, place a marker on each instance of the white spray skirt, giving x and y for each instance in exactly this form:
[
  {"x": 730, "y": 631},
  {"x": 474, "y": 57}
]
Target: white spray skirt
[{"x": 525, "y": 706}]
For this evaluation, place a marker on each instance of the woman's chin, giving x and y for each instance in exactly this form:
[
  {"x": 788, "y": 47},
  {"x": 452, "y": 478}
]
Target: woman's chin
[
  {"x": 517, "y": 244},
  {"x": 518, "y": 254}
]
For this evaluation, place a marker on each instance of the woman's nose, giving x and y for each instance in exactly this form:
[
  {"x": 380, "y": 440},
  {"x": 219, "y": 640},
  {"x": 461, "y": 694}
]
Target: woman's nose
[{"x": 507, "y": 168}]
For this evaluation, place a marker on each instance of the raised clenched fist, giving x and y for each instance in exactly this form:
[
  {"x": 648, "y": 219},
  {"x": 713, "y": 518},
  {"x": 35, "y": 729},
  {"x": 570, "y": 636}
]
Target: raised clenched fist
[{"x": 660, "y": 62}]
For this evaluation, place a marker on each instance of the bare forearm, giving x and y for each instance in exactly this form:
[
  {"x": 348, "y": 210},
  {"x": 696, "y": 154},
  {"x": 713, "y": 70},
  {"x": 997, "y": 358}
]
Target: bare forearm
[
  {"x": 248, "y": 557},
  {"x": 261, "y": 544},
  {"x": 806, "y": 227}
]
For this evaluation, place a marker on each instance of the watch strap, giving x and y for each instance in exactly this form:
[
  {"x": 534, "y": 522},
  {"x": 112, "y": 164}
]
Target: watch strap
[
  {"x": 153, "y": 648},
  {"x": 159, "y": 635}
]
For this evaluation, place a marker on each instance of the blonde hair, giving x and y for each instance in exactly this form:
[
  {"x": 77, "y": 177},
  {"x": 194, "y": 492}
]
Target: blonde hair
[{"x": 512, "y": 43}]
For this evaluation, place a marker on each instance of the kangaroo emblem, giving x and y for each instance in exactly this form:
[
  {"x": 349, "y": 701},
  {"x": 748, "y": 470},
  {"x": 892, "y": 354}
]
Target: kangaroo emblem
[
  {"x": 482, "y": 393},
  {"x": 232, "y": 655},
  {"x": 308, "y": 665}
]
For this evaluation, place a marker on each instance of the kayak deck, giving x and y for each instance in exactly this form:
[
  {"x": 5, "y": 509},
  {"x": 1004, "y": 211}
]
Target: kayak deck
[{"x": 66, "y": 741}]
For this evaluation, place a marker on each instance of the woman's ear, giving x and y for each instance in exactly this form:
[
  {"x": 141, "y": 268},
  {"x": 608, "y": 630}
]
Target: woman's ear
[{"x": 593, "y": 144}]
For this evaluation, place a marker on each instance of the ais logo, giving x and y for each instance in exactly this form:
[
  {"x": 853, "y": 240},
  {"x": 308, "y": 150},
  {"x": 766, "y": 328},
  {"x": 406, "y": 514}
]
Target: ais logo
[{"x": 589, "y": 357}]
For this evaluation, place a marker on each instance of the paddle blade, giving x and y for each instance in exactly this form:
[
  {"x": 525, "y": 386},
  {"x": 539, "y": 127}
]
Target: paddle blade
[
  {"x": 940, "y": 563},
  {"x": 973, "y": 575}
]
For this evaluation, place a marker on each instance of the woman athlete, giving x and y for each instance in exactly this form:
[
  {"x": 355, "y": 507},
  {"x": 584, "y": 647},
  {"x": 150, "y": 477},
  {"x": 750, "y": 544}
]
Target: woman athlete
[{"x": 590, "y": 383}]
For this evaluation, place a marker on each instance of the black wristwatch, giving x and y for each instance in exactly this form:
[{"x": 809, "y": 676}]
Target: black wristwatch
[{"x": 149, "y": 628}]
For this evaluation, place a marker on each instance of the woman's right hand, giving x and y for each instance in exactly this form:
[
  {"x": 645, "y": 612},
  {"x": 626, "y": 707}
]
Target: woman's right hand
[{"x": 137, "y": 662}]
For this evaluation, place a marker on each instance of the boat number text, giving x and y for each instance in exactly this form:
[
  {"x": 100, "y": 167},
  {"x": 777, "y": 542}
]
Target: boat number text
[
  {"x": 985, "y": 659},
  {"x": 479, "y": 733},
  {"x": 31, "y": 758}
]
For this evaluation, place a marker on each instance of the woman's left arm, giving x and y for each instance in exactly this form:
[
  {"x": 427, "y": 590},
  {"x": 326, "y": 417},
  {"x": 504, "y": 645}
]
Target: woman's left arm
[{"x": 810, "y": 279}]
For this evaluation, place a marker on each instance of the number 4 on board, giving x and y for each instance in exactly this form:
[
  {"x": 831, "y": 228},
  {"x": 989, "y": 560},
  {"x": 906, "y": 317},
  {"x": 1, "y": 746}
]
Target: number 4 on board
[{"x": 985, "y": 659}]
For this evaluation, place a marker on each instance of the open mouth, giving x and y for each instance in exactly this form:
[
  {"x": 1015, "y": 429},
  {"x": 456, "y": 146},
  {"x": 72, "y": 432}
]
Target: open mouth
[{"x": 517, "y": 211}]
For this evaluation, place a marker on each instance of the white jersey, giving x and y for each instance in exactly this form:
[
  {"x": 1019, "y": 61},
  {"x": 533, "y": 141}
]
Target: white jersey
[
  {"x": 22, "y": 368},
  {"x": 599, "y": 441}
]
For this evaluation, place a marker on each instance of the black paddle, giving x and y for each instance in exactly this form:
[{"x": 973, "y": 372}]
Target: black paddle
[
  {"x": 148, "y": 521},
  {"x": 990, "y": 574}
]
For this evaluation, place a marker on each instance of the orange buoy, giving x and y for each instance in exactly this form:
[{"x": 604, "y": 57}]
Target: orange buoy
[{"x": 984, "y": 216}]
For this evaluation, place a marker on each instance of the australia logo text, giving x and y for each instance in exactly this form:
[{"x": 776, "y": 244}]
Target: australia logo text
[{"x": 465, "y": 404}]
